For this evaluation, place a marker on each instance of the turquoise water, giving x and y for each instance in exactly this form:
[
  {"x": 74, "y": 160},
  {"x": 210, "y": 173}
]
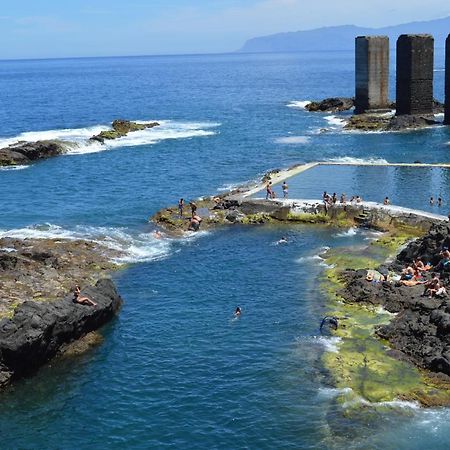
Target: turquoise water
[{"x": 175, "y": 370}]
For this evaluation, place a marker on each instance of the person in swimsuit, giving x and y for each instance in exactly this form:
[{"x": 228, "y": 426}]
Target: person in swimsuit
[
  {"x": 431, "y": 201},
  {"x": 343, "y": 198},
  {"x": 181, "y": 206},
  {"x": 386, "y": 201},
  {"x": 439, "y": 201},
  {"x": 285, "y": 189},
  {"x": 193, "y": 208},
  {"x": 334, "y": 198},
  {"x": 237, "y": 312},
  {"x": 77, "y": 298},
  {"x": 269, "y": 193}
]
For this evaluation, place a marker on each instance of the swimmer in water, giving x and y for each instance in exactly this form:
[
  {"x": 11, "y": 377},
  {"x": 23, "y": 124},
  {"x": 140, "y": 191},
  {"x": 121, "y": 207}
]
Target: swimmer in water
[
  {"x": 237, "y": 312},
  {"x": 157, "y": 234},
  {"x": 283, "y": 240}
]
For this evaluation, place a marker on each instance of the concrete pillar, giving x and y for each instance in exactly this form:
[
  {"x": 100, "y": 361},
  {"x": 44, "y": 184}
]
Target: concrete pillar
[
  {"x": 371, "y": 73},
  {"x": 447, "y": 81},
  {"x": 415, "y": 63}
]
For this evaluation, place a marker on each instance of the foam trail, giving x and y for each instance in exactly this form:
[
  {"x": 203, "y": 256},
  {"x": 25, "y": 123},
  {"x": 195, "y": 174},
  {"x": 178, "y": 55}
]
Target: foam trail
[
  {"x": 9, "y": 168},
  {"x": 132, "y": 248},
  {"x": 349, "y": 233},
  {"x": 293, "y": 140},
  {"x": 299, "y": 104}
]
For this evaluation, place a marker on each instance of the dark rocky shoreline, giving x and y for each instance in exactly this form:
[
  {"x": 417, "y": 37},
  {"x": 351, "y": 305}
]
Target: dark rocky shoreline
[
  {"x": 384, "y": 120},
  {"x": 38, "y": 331},
  {"x": 420, "y": 331},
  {"x": 39, "y": 318}
]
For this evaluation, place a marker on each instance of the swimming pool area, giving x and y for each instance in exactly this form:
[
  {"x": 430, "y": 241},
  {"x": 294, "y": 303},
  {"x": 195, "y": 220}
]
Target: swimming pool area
[{"x": 409, "y": 187}]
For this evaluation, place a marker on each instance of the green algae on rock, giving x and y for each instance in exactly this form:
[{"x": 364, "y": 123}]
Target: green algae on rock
[{"x": 364, "y": 362}]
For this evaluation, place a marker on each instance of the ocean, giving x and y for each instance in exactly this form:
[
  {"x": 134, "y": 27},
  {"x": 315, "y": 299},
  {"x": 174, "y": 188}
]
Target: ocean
[{"x": 175, "y": 370}]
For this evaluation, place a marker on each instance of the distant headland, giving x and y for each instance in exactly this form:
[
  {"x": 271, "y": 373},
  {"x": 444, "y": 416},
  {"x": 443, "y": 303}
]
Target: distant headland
[{"x": 340, "y": 37}]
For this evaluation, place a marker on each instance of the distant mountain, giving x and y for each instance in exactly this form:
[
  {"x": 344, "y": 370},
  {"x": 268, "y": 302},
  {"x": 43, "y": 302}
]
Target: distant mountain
[{"x": 342, "y": 37}]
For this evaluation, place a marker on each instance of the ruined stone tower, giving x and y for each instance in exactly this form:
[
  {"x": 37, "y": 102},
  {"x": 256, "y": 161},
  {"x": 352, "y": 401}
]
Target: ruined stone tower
[
  {"x": 371, "y": 73},
  {"x": 415, "y": 58}
]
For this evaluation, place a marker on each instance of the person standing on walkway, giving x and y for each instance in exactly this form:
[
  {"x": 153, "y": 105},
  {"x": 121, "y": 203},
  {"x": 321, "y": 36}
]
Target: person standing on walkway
[{"x": 285, "y": 189}]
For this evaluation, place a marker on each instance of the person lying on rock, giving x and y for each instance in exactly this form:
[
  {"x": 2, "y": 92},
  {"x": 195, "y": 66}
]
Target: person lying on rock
[
  {"x": 432, "y": 286},
  {"x": 78, "y": 298},
  {"x": 419, "y": 266}
]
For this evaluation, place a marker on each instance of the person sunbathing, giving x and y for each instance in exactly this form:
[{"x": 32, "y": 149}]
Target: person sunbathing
[
  {"x": 78, "y": 298},
  {"x": 432, "y": 286},
  {"x": 408, "y": 272}
]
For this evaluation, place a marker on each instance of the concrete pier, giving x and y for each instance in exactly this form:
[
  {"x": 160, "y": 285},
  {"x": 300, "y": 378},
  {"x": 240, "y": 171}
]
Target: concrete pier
[
  {"x": 371, "y": 73},
  {"x": 447, "y": 81},
  {"x": 415, "y": 59}
]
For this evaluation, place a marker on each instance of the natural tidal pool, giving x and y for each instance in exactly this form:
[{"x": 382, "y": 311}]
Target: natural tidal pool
[{"x": 177, "y": 370}]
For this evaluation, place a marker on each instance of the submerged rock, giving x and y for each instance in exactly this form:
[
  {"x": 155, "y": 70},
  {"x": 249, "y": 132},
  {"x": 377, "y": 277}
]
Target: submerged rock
[{"x": 23, "y": 153}]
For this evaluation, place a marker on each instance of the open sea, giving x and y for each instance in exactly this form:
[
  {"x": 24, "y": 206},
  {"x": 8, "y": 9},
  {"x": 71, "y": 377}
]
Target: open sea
[{"x": 175, "y": 369}]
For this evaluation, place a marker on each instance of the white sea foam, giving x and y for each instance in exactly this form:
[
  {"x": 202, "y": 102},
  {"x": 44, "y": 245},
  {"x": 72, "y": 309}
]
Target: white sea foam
[
  {"x": 80, "y": 143},
  {"x": 299, "y": 104},
  {"x": 352, "y": 160},
  {"x": 293, "y": 140},
  {"x": 439, "y": 116},
  {"x": 335, "y": 121},
  {"x": 349, "y": 233},
  {"x": 330, "y": 343},
  {"x": 133, "y": 248},
  {"x": 394, "y": 404},
  {"x": 8, "y": 168},
  {"x": 329, "y": 393}
]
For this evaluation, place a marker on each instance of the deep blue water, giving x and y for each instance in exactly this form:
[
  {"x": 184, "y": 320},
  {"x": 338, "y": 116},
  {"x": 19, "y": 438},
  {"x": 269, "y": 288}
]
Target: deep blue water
[{"x": 174, "y": 370}]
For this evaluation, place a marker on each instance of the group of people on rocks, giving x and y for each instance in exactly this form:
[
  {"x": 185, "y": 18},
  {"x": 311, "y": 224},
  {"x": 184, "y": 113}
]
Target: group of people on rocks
[
  {"x": 270, "y": 193},
  {"x": 417, "y": 273},
  {"x": 195, "y": 220}
]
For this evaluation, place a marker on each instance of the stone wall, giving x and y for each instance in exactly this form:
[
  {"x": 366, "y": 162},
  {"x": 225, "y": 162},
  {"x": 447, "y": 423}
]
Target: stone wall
[
  {"x": 415, "y": 58},
  {"x": 371, "y": 73}
]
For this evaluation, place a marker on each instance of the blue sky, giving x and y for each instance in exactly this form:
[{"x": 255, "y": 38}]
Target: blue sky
[{"x": 60, "y": 28}]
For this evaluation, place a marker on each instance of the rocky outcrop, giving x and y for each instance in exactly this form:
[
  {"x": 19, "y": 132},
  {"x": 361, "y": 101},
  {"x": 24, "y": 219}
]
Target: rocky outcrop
[
  {"x": 420, "y": 332},
  {"x": 386, "y": 122},
  {"x": 23, "y": 153},
  {"x": 121, "y": 128},
  {"x": 39, "y": 330},
  {"x": 335, "y": 104}
]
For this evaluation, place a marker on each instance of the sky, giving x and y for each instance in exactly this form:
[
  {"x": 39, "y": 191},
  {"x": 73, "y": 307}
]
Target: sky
[{"x": 73, "y": 28}]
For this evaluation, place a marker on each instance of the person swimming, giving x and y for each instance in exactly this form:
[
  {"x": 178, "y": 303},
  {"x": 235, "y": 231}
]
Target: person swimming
[{"x": 237, "y": 311}]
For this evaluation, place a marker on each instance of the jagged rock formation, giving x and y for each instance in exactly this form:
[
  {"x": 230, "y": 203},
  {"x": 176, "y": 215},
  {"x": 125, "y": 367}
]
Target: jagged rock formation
[
  {"x": 38, "y": 331},
  {"x": 121, "y": 128},
  {"x": 334, "y": 104},
  {"x": 23, "y": 153}
]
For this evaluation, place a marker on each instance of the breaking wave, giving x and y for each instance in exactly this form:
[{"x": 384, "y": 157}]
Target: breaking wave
[
  {"x": 131, "y": 247},
  {"x": 352, "y": 160},
  {"x": 299, "y": 104},
  {"x": 79, "y": 143}
]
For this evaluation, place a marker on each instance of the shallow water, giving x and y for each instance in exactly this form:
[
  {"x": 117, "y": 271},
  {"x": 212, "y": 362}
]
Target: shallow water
[{"x": 175, "y": 368}]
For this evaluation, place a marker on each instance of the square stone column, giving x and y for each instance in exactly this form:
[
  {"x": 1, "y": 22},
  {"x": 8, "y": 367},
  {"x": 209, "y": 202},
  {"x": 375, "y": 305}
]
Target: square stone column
[
  {"x": 447, "y": 81},
  {"x": 415, "y": 64},
  {"x": 371, "y": 73}
]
